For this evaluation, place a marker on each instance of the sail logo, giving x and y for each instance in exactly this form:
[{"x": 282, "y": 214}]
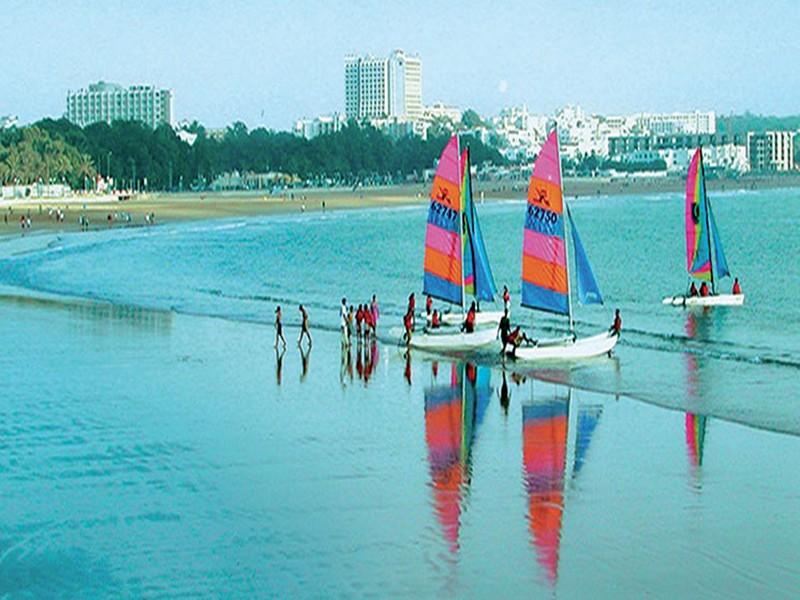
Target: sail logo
[
  {"x": 443, "y": 195},
  {"x": 696, "y": 212}
]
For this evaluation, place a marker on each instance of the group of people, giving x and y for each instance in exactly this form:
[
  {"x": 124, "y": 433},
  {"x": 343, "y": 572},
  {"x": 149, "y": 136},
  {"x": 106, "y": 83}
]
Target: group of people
[
  {"x": 362, "y": 321},
  {"x": 705, "y": 291}
]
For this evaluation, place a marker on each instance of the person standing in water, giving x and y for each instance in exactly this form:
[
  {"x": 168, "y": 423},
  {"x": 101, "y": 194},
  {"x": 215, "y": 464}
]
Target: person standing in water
[
  {"x": 616, "y": 326},
  {"x": 506, "y": 301},
  {"x": 279, "y": 328},
  {"x": 345, "y": 328},
  {"x": 412, "y": 304},
  {"x": 304, "y": 327},
  {"x": 375, "y": 312}
]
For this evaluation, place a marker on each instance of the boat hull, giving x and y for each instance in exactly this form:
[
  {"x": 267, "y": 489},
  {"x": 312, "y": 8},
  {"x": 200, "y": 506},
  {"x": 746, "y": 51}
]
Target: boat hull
[
  {"x": 481, "y": 318},
  {"x": 455, "y": 341},
  {"x": 716, "y": 300},
  {"x": 568, "y": 349}
]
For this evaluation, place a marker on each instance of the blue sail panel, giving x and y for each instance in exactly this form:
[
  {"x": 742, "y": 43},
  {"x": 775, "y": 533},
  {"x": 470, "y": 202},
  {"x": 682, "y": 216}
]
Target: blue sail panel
[
  {"x": 720, "y": 263},
  {"x": 588, "y": 290},
  {"x": 478, "y": 277}
]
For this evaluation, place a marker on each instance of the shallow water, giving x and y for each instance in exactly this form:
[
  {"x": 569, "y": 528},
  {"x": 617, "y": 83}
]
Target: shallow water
[{"x": 150, "y": 448}]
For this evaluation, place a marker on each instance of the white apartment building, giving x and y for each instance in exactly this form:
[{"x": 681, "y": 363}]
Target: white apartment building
[
  {"x": 111, "y": 102},
  {"x": 322, "y": 125},
  {"x": 8, "y": 122},
  {"x": 696, "y": 122},
  {"x": 382, "y": 88},
  {"x": 439, "y": 110},
  {"x": 771, "y": 151}
]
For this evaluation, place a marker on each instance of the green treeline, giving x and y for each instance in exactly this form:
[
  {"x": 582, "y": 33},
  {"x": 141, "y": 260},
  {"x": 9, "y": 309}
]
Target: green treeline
[{"x": 57, "y": 150}]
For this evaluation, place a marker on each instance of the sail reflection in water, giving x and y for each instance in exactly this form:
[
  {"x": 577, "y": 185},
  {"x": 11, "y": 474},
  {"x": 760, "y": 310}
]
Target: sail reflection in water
[
  {"x": 695, "y": 424},
  {"x": 556, "y": 435},
  {"x": 453, "y": 412}
]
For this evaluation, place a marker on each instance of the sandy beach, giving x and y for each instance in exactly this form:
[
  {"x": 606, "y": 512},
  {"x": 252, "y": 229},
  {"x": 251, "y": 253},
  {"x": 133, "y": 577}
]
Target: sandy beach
[{"x": 171, "y": 207}]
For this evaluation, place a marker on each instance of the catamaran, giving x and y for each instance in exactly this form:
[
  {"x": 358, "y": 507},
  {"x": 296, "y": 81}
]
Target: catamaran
[
  {"x": 545, "y": 263},
  {"x": 456, "y": 263},
  {"x": 705, "y": 259}
]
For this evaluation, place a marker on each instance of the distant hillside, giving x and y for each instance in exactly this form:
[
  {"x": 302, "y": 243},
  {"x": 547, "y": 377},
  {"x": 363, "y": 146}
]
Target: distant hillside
[{"x": 750, "y": 122}]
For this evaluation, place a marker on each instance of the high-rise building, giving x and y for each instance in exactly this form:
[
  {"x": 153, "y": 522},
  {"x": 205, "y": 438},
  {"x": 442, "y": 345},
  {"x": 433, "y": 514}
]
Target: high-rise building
[
  {"x": 382, "y": 88},
  {"x": 111, "y": 102}
]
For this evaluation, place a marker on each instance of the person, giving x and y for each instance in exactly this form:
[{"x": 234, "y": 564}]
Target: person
[
  {"x": 359, "y": 320},
  {"x": 616, "y": 326},
  {"x": 408, "y": 325},
  {"x": 304, "y": 327},
  {"x": 469, "y": 321},
  {"x": 428, "y": 305},
  {"x": 350, "y": 319},
  {"x": 692, "y": 290},
  {"x": 506, "y": 300},
  {"x": 375, "y": 312},
  {"x": 704, "y": 290},
  {"x": 345, "y": 329},
  {"x": 737, "y": 289},
  {"x": 503, "y": 329},
  {"x": 516, "y": 338},
  {"x": 279, "y": 328},
  {"x": 412, "y": 304},
  {"x": 369, "y": 325},
  {"x": 436, "y": 320}
]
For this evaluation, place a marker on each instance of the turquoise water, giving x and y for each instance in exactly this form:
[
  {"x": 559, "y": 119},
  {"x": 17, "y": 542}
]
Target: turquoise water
[{"x": 153, "y": 443}]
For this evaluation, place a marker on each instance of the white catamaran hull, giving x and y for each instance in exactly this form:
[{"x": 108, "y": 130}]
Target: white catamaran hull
[
  {"x": 717, "y": 300},
  {"x": 569, "y": 349},
  {"x": 455, "y": 342},
  {"x": 481, "y": 318}
]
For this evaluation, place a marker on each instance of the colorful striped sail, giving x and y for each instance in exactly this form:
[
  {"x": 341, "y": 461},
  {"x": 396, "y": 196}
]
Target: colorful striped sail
[
  {"x": 698, "y": 256},
  {"x": 478, "y": 278},
  {"x": 443, "y": 278},
  {"x": 545, "y": 276},
  {"x": 544, "y": 437}
]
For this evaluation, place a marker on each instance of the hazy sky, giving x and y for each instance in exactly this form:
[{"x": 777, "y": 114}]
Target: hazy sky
[{"x": 267, "y": 63}]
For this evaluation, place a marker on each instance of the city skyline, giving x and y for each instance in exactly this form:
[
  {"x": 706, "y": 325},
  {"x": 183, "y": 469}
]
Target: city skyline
[{"x": 268, "y": 66}]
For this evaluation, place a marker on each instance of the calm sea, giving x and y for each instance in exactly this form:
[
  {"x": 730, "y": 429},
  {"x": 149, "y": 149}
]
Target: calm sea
[{"x": 152, "y": 442}]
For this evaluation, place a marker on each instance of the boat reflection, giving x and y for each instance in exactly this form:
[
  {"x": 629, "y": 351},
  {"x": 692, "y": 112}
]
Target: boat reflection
[
  {"x": 696, "y": 328},
  {"x": 556, "y": 434},
  {"x": 454, "y": 409}
]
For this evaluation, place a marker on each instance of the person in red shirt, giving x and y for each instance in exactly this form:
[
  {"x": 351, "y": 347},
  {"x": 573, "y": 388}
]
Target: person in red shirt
[
  {"x": 737, "y": 289},
  {"x": 692, "y": 290},
  {"x": 428, "y": 305},
  {"x": 408, "y": 324},
  {"x": 616, "y": 326},
  {"x": 506, "y": 300},
  {"x": 704, "y": 290},
  {"x": 412, "y": 304},
  {"x": 369, "y": 322},
  {"x": 359, "y": 320},
  {"x": 435, "y": 320},
  {"x": 469, "y": 322}
]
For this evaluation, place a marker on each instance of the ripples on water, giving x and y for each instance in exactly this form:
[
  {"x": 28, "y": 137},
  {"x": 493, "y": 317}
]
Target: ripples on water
[{"x": 145, "y": 452}]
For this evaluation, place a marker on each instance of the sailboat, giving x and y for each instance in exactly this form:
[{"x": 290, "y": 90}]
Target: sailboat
[
  {"x": 456, "y": 263},
  {"x": 545, "y": 263},
  {"x": 705, "y": 259}
]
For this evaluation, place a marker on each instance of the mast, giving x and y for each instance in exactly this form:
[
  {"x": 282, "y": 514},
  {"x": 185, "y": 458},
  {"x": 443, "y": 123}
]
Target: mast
[
  {"x": 566, "y": 237},
  {"x": 708, "y": 222},
  {"x": 461, "y": 218},
  {"x": 469, "y": 231}
]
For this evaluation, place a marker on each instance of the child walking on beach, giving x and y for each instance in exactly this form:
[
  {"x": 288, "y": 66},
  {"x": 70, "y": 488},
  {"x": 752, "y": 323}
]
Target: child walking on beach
[{"x": 304, "y": 327}]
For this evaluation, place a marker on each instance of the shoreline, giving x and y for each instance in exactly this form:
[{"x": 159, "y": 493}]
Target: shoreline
[{"x": 195, "y": 206}]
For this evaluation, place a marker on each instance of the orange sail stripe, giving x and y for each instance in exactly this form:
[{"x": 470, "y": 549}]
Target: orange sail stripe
[
  {"x": 545, "y": 195},
  {"x": 544, "y": 274},
  {"x": 446, "y": 193},
  {"x": 442, "y": 266}
]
